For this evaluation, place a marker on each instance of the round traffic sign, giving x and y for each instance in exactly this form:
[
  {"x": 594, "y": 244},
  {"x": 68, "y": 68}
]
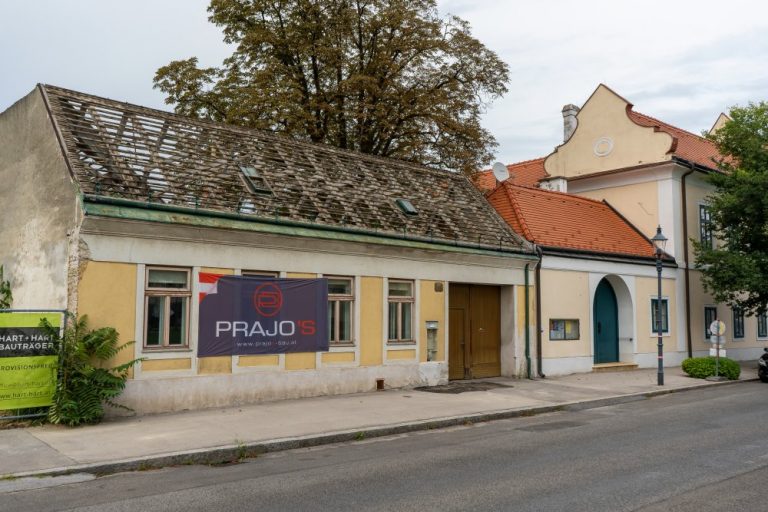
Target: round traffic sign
[{"x": 717, "y": 328}]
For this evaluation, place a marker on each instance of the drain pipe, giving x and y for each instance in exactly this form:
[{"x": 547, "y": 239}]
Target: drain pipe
[
  {"x": 537, "y": 285},
  {"x": 527, "y": 325},
  {"x": 689, "y": 342}
]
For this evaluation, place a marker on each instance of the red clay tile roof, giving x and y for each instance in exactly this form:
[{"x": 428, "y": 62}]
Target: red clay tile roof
[
  {"x": 687, "y": 145},
  {"x": 566, "y": 221},
  {"x": 528, "y": 174}
]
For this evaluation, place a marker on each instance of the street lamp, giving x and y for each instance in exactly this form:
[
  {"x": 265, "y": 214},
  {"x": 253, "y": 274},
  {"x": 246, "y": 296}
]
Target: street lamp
[{"x": 659, "y": 242}]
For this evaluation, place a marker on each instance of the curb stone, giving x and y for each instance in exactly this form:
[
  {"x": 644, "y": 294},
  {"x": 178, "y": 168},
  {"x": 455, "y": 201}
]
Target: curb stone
[{"x": 236, "y": 452}]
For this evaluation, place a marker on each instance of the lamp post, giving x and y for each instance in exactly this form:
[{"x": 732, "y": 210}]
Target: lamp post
[{"x": 659, "y": 242}]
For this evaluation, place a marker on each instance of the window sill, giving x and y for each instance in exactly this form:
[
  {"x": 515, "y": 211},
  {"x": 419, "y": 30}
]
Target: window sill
[
  {"x": 154, "y": 350},
  {"x": 396, "y": 343},
  {"x": 343, "y": 344}
]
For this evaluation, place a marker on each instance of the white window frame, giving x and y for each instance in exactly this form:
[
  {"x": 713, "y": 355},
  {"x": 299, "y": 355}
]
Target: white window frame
[
  {"x": 665, "y": 306},
  {"x": 260, "y": 273},
  {"x": 399, "y": 300},
  {"x": 334, "y": 301},
  {"x": 167, "y": 292}
]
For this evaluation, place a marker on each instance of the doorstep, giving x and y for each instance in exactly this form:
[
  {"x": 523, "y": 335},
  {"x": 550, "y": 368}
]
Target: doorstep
[{"x": 614, "y": 367}]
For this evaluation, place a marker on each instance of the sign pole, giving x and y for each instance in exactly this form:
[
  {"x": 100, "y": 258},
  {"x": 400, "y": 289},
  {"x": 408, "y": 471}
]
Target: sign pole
[{"x": 717, "y": 330}]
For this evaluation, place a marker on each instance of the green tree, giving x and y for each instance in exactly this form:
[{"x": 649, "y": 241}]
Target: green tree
[
  {"x": 736, "y": 270},
  {"x": 386, "y": 77}
]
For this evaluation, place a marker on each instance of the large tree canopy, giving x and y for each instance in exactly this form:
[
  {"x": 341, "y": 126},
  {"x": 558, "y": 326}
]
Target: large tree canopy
[
  {"x": 385, "y": 77},
  {"x": 735, "y": 271}
]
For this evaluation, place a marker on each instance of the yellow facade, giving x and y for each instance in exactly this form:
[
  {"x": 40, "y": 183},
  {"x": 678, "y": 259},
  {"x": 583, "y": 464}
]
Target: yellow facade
[
  {"x": 211, "y": 365},
  {"x": 638, "y": 202},
  {"x": 98, "y": 299},
  {"x": 265, "y": 360},
  {"x": 401, "y": 355},
  {"x": 338, "y": 357},
  {"x": 607, "y": 139},
  {"x": 371, "y": 320},
  {"x": 565, "y": 296},
  {"x": 647, "y": 289},
  {"x": 432, "y": 307},
  {"x": 159, "y": 365}
]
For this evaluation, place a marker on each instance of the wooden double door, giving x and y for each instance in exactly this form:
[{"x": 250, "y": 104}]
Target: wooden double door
[{"x": 474, "y": 327}]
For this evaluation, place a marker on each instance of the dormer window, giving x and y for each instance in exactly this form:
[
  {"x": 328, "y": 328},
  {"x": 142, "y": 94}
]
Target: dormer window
[{"x": 254, "y": 181}]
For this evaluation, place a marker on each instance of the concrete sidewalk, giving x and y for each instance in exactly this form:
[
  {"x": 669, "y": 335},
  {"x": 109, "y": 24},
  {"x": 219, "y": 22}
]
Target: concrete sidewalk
[{"x": 217, "y": 435}]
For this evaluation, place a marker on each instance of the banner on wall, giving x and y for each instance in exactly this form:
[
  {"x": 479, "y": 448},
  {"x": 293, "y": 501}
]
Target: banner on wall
[
  {"x": 28, "y": 360},
  {"x": 243, "y": 315}
]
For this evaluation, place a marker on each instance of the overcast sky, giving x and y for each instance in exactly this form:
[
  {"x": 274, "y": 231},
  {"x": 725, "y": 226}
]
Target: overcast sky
[{"x": 678, "y": 60}]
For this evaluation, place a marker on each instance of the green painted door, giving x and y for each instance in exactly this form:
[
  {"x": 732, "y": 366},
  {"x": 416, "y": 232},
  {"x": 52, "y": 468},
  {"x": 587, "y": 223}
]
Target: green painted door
[{"x": 606, "y": 324}]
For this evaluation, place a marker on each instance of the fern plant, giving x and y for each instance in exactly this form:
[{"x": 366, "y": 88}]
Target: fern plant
[
  {"x": 84, "y": 384},
  {"x": 6, "y": 297}
]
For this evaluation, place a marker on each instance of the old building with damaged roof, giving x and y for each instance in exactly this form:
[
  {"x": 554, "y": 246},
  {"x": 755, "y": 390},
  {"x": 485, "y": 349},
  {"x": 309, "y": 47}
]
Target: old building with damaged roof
[{"x": 130, "y": 215}]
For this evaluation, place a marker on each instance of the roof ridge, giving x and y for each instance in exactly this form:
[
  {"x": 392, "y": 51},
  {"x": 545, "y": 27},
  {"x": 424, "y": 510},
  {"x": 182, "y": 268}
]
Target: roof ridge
[
  {"x": 664, "y": 123},
  {"x": 556, "y": 192},
  {"x": 243, "y": 129},
  {"x": 527, "y": 233},
  {"x": 529, "y": 161}
]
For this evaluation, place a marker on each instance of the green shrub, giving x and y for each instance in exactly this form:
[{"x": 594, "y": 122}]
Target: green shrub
[
  {"x": 84, "y": 385},
  {"x": 703, "y": 367},
  {"x": 6, "y": 297}
]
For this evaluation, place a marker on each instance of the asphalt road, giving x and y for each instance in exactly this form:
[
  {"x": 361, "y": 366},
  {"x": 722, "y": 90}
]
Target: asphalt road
[{"x": 694, "y": 451}]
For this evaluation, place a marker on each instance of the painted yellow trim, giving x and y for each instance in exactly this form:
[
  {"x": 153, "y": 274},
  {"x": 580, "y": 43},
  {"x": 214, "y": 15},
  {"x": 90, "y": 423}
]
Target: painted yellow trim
[
  {"x": 97, "y": 298},
  {"x": 371, "y": 321},
  {"x": 401, "y": 355},
  {"x": 300, "y": 361},
  {"x": 219, "y": 364},
  {"x": 158, "y": 365},
  {"x": 266, "y": 360},
  {"x": 214, "y": 270},
  {"x": 338, "y": 357},
  {"x": 300, "y": 275}
]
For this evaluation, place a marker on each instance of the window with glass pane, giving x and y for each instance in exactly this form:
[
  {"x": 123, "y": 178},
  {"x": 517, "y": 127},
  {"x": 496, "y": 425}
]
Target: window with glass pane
[
  {"x": 400, "y": 304},
  {"x": 762, "y": 325},
  {"x": 710, "y": 315},
  {"x": 705, "y": 225},
  {"x": 166, "y": 319},
  {"x": 340, "y": 309},
  {"x": 738, "y": 323},
  {"x": 664, "y": 316}
]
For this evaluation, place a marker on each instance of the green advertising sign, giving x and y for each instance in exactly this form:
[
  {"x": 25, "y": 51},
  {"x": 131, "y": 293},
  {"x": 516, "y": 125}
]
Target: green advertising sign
[{"x": 28, "y": 360}]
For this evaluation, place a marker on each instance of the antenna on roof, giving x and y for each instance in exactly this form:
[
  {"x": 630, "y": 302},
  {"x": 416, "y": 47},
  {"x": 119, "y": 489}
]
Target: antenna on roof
[{"x": 500, "y": 171}]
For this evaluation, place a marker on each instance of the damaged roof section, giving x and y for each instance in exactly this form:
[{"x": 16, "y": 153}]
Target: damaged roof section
[{"x": 123, "y": 151}]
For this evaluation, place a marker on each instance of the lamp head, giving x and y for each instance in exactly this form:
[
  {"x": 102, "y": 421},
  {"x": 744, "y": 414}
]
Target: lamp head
[{"x": 659, "y": 241}]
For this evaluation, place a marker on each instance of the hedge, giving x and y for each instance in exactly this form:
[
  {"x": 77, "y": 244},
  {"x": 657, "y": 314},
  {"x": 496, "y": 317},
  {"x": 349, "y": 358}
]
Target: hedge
[{"x": 703, "y": 367}]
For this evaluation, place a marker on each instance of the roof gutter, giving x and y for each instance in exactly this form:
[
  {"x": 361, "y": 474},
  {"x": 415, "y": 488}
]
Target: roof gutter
[
  {"x": 432, "y": 243},
  {"x": 601, "y": 256}
]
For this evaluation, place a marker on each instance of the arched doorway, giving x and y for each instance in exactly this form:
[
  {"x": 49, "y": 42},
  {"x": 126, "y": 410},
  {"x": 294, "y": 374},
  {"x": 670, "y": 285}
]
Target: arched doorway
[{"x": 605, "y": 327}]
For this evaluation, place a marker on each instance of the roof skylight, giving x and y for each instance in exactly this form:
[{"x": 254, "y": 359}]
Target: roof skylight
[{"x": 254, "y": 181}]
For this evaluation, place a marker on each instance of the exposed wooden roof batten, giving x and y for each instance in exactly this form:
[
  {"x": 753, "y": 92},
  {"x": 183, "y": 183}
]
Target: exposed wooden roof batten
[{"x": 122, "y": 151}]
